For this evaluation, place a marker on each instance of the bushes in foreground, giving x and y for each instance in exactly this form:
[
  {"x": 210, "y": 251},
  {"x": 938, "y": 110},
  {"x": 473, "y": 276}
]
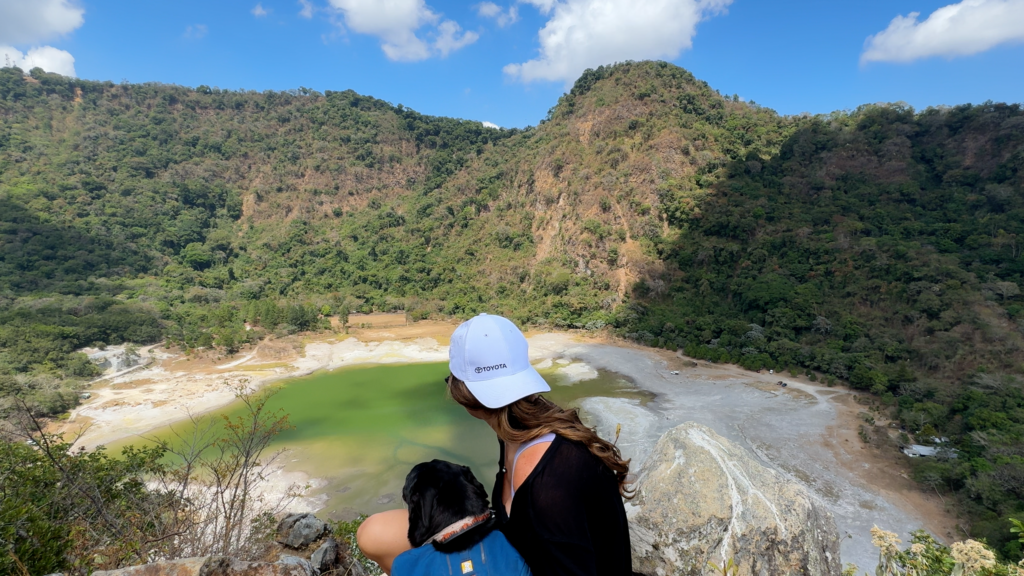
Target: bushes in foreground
[
  {"x": 926, "y": 557},
  {"x": 74, "y": 512}
]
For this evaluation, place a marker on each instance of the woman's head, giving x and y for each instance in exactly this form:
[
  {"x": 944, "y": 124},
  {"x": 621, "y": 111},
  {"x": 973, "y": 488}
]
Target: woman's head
[
  {"x": 490, "y": 355},
  {"x": 491, "y": 376},
  {"x": 533, "y": 416}
]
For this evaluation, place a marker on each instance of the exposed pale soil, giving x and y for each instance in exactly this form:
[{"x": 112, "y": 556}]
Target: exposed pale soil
[
  {"x": 882, "y": 469},
  {"x": 806, "y": 431},
  {"x": 877, "y": 468}
]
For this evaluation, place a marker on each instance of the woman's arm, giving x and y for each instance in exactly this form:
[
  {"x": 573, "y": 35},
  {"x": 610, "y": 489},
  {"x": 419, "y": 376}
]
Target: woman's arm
[{"x": 382, "y": 537}]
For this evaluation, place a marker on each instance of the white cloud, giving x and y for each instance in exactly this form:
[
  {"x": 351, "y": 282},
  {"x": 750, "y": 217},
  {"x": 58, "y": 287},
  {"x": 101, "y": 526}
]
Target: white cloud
[
  {"x": 46, "y": 57},
  {"x": 510, "y": 17},
  {"x": 395, "y": 22},
  {"x": 488, "y": 9},
  {"x": 490, "y": 125},
  {"x": 449, "y": 40},
  {"x": 195, "y": 31},
  {"x": 307, "y": 9},
  {"x": 970, "y": 27},
  {"x": 31, "y": 21},
  {"x": 583, "y": 34},
  {"x": 259, "y": 11},
  {"x": 501, "y": 17},
  {"x": 545, "y": 6}
]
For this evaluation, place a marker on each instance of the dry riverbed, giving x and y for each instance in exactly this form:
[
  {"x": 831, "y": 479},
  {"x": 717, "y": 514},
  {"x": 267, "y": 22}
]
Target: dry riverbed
[{"x": 806, "y": 431}]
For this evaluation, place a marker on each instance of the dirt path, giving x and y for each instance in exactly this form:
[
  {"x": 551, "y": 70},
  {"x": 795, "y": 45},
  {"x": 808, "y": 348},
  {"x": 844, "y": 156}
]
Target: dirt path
[
  {"x": 240, "y": 361},
  {"x": 885, "y": 469}
]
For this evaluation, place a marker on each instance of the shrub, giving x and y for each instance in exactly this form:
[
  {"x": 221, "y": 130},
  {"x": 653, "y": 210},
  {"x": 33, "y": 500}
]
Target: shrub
[
  {"x": 75, "y": 512},
  {"x": 926, "y": 557}
]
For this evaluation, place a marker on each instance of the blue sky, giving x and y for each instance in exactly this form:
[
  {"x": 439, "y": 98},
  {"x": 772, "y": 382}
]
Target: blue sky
[{"x": 507, "y": 62}]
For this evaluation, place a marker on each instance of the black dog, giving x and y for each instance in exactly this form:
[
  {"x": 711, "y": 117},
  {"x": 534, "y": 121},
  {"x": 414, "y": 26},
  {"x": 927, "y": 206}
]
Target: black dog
[
  {"x": 440, "y": 494},
  {"x": 448, "y": 509}
]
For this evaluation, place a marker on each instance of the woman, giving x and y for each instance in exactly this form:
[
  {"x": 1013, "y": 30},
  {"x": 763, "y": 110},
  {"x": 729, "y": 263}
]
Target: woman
[{"x": 560, "y": 485}]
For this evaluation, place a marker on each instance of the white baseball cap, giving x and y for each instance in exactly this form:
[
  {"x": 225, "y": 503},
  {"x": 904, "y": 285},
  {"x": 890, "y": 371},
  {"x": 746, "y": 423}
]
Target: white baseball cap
[{"x": 492, "y": 357}]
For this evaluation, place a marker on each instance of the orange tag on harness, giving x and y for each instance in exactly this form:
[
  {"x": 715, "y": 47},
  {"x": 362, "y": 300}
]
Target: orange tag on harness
[{"x": 467, "y": 566}]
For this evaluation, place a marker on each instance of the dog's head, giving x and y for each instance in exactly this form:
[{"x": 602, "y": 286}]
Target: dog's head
[{"x": 439, "y": 494}]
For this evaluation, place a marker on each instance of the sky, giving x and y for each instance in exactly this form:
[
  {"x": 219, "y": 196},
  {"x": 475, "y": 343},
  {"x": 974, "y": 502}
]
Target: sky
[{"x": 506, "y": 62}]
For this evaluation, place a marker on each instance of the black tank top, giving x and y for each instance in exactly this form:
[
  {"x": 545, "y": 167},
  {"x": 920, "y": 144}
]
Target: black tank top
[{"x": 567, "y": 517}]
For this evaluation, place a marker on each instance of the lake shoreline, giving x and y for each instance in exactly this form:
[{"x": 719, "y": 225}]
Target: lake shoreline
[{"x": 175, "y": 386}]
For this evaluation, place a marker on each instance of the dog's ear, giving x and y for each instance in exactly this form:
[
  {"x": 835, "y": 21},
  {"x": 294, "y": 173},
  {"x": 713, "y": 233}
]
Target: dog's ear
[
  {"x": 470, "y": 478},
  {"x": 476, "y": 490},
  {"x": 410, "y": 481},
  {"x": 420, "y": 500},
  {"x": 421, "y": 510}
]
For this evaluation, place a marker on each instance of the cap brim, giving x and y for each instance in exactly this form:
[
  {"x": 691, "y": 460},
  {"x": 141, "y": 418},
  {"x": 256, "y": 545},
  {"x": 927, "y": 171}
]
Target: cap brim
[{"x": 506, "y": 390}]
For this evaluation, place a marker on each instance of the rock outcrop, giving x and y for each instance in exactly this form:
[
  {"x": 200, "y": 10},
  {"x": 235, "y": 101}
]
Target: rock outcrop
[
  {"x": 702, "y": 499},
  {"x": 210, "y": 566},
  {"x": 300, "y": 530},
  {"x": 326, "y": 557},
  {"x": 302, "y": 563}
]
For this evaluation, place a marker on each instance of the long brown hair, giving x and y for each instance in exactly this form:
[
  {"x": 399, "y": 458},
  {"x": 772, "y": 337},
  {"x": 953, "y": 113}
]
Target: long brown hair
[{"x": 534, "y": 416}]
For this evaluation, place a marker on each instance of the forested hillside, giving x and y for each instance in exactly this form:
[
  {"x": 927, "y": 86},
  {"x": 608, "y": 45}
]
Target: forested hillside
[{"x": 882, "y": 248}]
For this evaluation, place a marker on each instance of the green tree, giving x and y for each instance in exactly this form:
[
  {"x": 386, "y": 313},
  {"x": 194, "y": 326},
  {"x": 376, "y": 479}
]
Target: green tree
[{"x": 197, "y": 256}]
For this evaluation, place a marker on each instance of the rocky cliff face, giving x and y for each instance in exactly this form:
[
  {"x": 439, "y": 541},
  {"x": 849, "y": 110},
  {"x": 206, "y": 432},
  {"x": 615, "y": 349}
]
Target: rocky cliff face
[{"x": 702, "y": 499}]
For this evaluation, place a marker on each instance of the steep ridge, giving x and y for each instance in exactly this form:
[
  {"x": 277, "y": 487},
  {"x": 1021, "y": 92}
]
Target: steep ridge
[
  {"x": 594, "y": 174},
  {"x": 879, "y": 247},
  {"x": 571, "y": 206}
]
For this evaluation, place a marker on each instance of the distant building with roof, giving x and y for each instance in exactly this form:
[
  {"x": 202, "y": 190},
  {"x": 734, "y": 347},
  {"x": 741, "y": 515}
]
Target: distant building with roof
[{"x": 921, "y": 451}]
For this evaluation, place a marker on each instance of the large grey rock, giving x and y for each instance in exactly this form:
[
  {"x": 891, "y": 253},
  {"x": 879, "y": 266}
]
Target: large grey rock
[
  {"x": 208, "y": 566},
  {"x": 326, "y": 556},
  {"x": 300, "y": 530},
  {"x": 350, "y": 567},
  {"x": 302, "y": 563},
  {"x": 701, "y": 499},
  {"x": 347, "y": 563}
]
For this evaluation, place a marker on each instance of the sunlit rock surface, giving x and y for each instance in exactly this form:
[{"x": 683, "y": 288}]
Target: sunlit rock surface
[
  {"x": 701, "y": 499},
  {"x": 210, "y": 566}
]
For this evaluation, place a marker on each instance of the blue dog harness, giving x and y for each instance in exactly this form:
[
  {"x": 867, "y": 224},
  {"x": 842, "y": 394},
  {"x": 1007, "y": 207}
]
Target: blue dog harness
[{"x": 493, "y": 556}]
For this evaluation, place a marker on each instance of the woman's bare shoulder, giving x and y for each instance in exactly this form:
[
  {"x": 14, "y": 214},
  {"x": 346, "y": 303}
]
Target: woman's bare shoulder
[{"x": 527, "y": 461}]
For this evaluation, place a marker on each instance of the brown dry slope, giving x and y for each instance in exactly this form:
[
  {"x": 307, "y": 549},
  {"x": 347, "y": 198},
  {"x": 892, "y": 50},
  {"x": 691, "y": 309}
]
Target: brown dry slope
[{"x": 593, "y": 187}]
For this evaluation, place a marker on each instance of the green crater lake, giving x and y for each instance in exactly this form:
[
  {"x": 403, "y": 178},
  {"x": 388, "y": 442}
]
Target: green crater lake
[{"x": 362, "y": 428}]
